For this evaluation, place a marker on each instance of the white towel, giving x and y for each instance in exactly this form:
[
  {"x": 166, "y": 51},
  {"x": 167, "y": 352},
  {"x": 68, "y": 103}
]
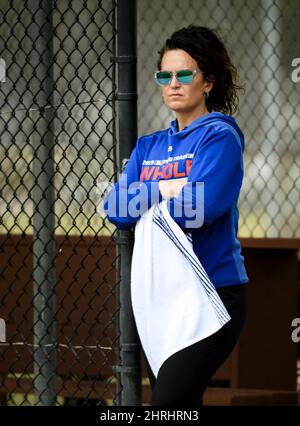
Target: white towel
[{"x": 173, "y": 300}]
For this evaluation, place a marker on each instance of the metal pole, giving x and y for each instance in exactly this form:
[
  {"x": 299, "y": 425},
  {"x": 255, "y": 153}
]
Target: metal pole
[
  {"x": 43, "y": 194},
  {"x": 129, "y": 367}
]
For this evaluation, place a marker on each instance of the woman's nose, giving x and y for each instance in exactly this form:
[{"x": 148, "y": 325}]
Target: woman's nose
[{"x": 174, "y": 82}]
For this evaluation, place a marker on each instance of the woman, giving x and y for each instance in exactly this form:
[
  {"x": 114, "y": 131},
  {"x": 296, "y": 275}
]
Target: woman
[{"x": 203, "y": 144}]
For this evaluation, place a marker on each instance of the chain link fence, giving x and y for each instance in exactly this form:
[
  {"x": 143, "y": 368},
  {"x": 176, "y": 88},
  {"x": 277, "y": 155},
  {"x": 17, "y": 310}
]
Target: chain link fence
[
  {"x": 263, "y": 40},
  {"x": 58, "y": 274}
]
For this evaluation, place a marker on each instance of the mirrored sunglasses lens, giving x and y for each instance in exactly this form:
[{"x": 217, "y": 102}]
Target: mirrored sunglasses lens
[
  {"x": 163, "y": 77},
  {"x": 185, "y": 76}
]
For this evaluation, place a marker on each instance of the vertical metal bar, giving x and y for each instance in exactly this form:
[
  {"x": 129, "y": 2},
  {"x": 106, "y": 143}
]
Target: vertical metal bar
[
  {"x": 117, "y": 400},
  {"x": 43, "y": 194},
  {"x": 129, "y": 366}
]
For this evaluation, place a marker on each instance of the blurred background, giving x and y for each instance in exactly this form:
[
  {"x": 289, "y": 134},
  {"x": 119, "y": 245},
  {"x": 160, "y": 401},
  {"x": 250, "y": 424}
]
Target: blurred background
[{"x": 262, "y": 38}]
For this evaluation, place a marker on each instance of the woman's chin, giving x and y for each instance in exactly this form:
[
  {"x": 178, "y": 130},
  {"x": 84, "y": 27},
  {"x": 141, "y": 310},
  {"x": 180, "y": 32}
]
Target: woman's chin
[{"x": 177, "y": 106}]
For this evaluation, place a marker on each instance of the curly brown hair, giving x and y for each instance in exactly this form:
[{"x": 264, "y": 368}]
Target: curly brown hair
[{"x": 206, "y": 47}]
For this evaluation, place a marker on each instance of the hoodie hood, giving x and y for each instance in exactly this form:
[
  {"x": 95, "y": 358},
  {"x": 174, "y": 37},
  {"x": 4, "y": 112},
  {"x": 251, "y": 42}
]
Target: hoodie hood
[{"x": 203, "y": 121}]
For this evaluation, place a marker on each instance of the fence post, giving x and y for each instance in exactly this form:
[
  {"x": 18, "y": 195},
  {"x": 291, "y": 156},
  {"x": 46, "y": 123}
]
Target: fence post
[
  {"x": 129, "y": 368},
  {"x": 43, "y": 195}
]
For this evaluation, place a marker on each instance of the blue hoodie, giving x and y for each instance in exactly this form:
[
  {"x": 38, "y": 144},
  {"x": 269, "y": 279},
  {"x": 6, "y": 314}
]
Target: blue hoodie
[{"x": 209, "y": 150}]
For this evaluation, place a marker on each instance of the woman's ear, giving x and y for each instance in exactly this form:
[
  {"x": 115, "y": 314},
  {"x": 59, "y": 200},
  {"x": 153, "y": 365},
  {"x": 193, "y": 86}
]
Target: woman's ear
[{"x": 209, "y": 82}]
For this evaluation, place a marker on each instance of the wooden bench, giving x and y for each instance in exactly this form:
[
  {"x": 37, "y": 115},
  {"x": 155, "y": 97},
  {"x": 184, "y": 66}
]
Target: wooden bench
[
  {"x": 221, "y": 396},
  {"x": 87, "y": 312},
  {"x": 85, "y": 319},
  {"x": 240, "y": 396},
  {"x": 266, "y": 356}
]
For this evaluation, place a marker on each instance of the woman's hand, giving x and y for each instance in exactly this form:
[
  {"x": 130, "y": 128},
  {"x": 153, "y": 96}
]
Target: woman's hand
[{"x": 171, "y": 188}]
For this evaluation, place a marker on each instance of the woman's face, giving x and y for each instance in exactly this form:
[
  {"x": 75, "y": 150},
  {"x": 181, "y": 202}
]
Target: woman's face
[{"x": 183, "y": 98}]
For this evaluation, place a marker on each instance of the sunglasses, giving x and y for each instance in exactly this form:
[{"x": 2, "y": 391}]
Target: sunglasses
[{"x": 163, "y": 78}]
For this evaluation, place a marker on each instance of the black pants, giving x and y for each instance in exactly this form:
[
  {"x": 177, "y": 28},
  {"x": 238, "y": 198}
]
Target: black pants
[{"x": 184, "y": 376}]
